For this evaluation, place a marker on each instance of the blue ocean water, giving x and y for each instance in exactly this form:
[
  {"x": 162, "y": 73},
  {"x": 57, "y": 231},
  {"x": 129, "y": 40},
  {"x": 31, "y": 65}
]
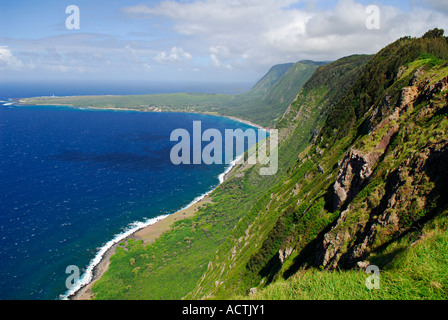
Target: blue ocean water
[
  {"x": 21, "y": 89},
  {"x": 71, "y": 180}
]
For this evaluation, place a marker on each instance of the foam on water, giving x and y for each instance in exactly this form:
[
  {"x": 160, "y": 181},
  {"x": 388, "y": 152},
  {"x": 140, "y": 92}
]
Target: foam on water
[
  {"x": 71, "y": 180},
  {"x": 88, "y": 274}
]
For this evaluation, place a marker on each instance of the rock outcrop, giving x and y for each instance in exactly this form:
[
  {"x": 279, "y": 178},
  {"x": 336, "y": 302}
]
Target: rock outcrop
[
  {"x": 354, "y": 170},
  {"x": 406, "y": 196}
]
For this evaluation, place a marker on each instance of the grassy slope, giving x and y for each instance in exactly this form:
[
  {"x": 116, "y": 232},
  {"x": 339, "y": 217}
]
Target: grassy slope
[
  {"x": 233, "y": 244},
  {"x": 171, "y": 267},
  {"x": 270, "y": 78},
  {"x": 419, "y": 271},
  {"x": 412, "y": 270},
  {"x": 297, "y": 128}
]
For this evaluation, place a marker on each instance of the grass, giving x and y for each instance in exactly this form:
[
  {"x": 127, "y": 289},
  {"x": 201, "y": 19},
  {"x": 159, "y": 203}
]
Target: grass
[
  {"x": 207, "y": 256},
  {"x": 419, "y": 272},
  {"x": 182, "y": 254}
]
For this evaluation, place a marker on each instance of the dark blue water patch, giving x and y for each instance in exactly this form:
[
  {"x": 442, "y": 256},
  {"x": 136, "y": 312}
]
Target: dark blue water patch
[{"x": 72, "y": 179}]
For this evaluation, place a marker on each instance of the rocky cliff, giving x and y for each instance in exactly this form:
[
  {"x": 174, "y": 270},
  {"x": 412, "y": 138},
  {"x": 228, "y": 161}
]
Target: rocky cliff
[
  {"x": 373, "y": 176},
  {"x": 362, "y": 179},
  {"x": 407, "y": 198}
]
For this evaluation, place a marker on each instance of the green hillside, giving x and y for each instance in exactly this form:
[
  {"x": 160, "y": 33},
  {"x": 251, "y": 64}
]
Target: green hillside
[
  {"x": 372, "y": 195},
  {"x": 287, "y": 87},
  {"x": 263, "y": 104},
  {"x": 362, "y": 180},
  {"x": 195, "y": 241},
  {"x": 270, "y": 78}
]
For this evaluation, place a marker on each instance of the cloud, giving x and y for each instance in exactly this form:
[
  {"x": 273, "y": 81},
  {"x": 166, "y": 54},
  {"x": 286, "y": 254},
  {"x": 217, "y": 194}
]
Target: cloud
[
  {"x": 347, "y": 17},
  {"x": 246, "y": 28},
  {"x": 176, "y": 54},
  {"x": 438, "y": 4},
  {"x": 234, "y": 39},
  {"x": 277, "y": 31},
  {"x": 8, "y": 60},
  {"x": 222, "y": 57},
  {"x": 217, "y": 53},
  {"x": 77, "y": 54}
]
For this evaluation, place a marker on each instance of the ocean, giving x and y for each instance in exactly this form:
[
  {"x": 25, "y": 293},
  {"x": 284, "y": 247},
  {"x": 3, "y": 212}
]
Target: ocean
[
  {"x": 26, "y": 89},
  {"x": 72, "y": 181}
]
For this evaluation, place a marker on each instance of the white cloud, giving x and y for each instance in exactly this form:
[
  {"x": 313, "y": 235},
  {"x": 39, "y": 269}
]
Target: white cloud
[
  {"x": 218, "y": 63},
  {"x": 239, "y": 25},
  {"x": 217, "y": 53},
  {"x": 8, "y": 60},
  {"x": 222, "y": 57},
  {"x": 346, "y": 18},
  {"x": 236, "y": 39},
  {"x": 77, "y": 54},
  {"x": 176, "y": 54},
  {"x": 276, "y": 31}
]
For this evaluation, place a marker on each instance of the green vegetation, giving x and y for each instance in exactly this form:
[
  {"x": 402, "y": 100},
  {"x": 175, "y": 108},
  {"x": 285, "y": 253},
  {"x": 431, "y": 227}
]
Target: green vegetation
[
  {"x": 175, "y": 278},
  {"x": 270, "y": 78},
  {"x": 363, "y": 154},
  {"x": 379, "y": 74},
  {"x": 272, "y": 94},
  {"x": 419, "y": 271}
]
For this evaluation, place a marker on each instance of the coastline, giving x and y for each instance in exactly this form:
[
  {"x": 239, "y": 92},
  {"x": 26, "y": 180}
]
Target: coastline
[
  {"x": 148, "y": 234},
  {"x": 98, "y": 265},
  {"x": 21, "y": 103},
  {"x": 147, "y": 231}
]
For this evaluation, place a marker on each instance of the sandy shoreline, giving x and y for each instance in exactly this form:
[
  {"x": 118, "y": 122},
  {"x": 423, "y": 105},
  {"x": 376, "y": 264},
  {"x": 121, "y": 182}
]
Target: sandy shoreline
[
  {"x": 151, "y": 232},
  {"x": 147, "y": 234}
]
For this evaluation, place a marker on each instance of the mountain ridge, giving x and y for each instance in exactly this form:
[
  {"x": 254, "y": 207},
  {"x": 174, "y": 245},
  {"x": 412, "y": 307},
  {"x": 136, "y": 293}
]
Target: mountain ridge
[
  {"x": 362, "y": 174},
  {"x": 271, "y": 77},
  {"x": 270, "y": 93}
]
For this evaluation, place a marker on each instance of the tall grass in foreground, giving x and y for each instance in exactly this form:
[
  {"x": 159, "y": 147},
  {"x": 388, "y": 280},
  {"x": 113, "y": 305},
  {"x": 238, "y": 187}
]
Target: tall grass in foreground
[{"x": 420, "y": 272}]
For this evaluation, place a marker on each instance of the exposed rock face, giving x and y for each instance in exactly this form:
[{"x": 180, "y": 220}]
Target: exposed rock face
[
  {"x": 406, "y": 194},
  {"x": 283, "y": 254},
  {"x": 407, "y": 95},
  {"x": 333, "y": 243},
  {"x": 355, "y": 168},
  {"x": 348, "y": 243}
]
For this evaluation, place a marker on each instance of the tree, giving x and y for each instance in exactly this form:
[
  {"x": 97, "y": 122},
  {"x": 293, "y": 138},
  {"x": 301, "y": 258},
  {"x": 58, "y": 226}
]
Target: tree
[{"x": 434, "y": 33}]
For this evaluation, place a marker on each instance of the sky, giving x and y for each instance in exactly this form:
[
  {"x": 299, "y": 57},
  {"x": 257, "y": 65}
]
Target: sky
[{"x": 197, "y": 40}]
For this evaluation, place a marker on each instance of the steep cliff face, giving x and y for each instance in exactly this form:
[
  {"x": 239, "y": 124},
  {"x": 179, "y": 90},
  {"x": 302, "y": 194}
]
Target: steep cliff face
[
  {"x": 355, "y": 169},
  {"x": 375, "y": 173},
  {"x": 254, "y": 248},
  {"x": 270, "y": 78},
  {"x": 407, "y": 197},
  {"x": 363, "y": 167}
]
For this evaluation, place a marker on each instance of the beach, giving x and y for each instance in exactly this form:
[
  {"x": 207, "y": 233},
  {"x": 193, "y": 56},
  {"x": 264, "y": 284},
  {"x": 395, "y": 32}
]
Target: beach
[
  {"x": 147, "y": 234},
  {"x": 147, "y": 231}
]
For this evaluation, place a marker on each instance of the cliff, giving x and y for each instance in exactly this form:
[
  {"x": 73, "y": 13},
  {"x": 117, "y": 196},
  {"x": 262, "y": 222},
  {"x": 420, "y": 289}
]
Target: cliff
[
  {"x": 362, "y": 180},
  {"x": 366, "y": 187}
]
